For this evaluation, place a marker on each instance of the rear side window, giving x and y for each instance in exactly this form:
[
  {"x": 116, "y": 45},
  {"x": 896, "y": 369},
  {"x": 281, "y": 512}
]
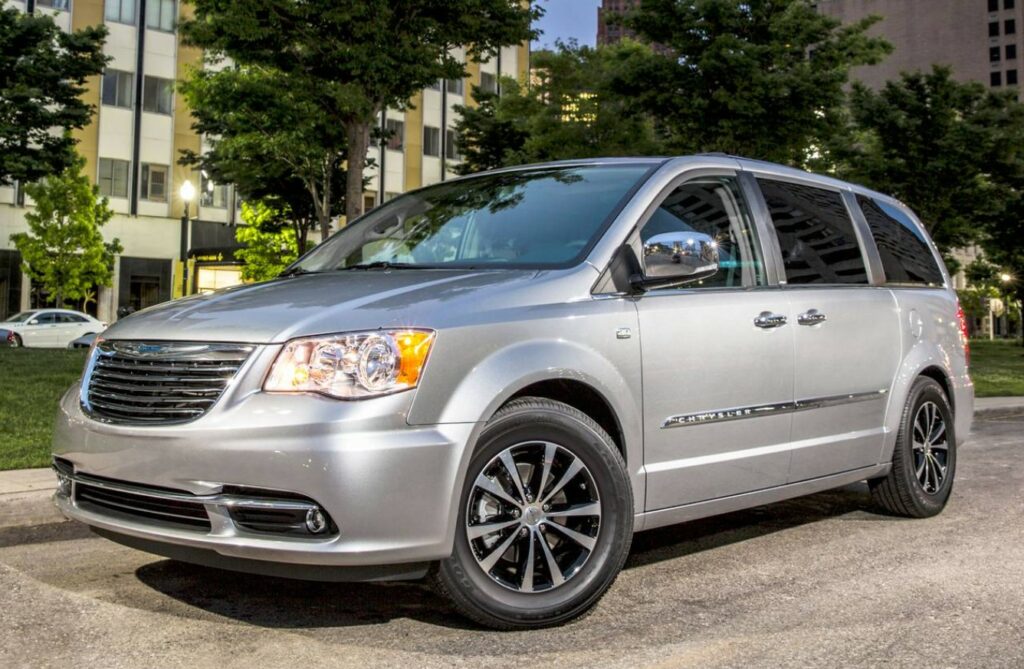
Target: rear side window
[
  {"x": 815, "y": 234},
  {"x": 906, "y": 257}
]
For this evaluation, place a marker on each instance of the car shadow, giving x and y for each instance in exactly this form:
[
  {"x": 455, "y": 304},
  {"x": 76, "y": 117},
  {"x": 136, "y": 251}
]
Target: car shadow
[{"x": 291, "y": 604}]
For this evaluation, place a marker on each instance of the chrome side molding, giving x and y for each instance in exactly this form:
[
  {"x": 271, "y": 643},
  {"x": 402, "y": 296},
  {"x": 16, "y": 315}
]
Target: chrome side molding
[{"x": 738, "y": 413}]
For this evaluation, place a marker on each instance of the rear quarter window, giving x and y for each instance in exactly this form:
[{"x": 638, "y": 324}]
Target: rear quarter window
[{"x": 907, "y": 259}]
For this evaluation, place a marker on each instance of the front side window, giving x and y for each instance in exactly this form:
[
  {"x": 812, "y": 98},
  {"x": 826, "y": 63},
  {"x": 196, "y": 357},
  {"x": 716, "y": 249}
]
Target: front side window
[
  {"x": 120, "y": 11},
  {"x": 157, "y": 95},
  {"x": 117, "y": 88},
  {"x": 46, "y": 318},
  {"x": 536, "y": 218},
  {"x": 713, "y": 207},
  {"x": 154, "y": 182},
  {"x": 906, "y": 257},
  {"x": 161, "y": 14},
  {"x": 431, "y": 141},
  {"x": 815, "y": 233},
  {"x": 113, "y": 177}
]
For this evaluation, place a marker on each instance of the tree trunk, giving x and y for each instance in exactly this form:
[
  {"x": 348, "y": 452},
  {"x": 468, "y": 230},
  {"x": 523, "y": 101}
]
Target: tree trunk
[
  {"x": 358, "y": 143},
  {"x": 324, "y": 208}
]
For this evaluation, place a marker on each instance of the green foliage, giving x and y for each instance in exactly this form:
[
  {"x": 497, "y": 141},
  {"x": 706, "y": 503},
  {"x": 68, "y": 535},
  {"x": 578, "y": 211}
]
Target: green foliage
[
  {"x": 42, "y": 77},
  {"x": 571, "y": 110},
  {"x": 64, "y": 250},
  {"x": 268, "y": 245},
  {"x": 940, "y": 146},
  {"x": 353, "y": 59},
  {"x": 759, "y": 78},
  {"x": 266, "y": 136}
]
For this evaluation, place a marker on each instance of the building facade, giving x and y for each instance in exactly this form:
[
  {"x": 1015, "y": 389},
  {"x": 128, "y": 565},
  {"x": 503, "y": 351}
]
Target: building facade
[
  {"x": 980, "y": 40},
  {"x": 141, "y": 125},
  {"x": 610, "y": 33}
]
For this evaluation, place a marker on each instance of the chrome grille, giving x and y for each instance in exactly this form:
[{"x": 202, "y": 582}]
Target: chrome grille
[{"x": 156, "y": 383}]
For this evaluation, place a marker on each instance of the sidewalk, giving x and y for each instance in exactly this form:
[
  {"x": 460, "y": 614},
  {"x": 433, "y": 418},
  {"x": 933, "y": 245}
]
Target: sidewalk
[{"x": 25, "y": 493}]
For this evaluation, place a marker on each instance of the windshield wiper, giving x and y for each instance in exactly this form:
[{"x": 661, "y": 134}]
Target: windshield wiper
[{"x": 383, "y": 264}]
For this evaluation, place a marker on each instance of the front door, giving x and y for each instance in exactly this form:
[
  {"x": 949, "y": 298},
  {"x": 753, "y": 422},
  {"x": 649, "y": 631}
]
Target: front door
[
  {"x": 846, "y": 332},
  {"x": 715, "y": 383}
]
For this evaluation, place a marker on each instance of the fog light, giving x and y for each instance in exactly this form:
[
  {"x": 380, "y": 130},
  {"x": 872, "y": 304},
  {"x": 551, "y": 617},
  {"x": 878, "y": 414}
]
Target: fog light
[
  {"x": 316, "y": 521},
  {"x": 64, "y": 486}
]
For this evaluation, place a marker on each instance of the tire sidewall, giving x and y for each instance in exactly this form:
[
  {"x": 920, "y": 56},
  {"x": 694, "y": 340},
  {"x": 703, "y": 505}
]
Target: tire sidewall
[
  {"x": 926, "y": 390},
  {"x": 463, "y": 573}
]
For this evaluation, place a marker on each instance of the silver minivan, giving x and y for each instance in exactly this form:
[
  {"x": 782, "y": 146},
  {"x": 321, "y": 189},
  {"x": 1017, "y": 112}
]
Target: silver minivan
[{"x": 495, "y": 381}]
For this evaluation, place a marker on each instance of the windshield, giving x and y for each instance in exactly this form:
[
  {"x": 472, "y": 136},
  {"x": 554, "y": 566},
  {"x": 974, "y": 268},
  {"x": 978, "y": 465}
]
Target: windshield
[
  {"x": 22, "y": 317},
  {"x": 535, "y": 218}
]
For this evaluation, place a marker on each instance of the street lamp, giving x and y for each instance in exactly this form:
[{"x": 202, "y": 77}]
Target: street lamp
[
  {"x": 187, "y": 192},
  {"x": 1005, "y": 278}
]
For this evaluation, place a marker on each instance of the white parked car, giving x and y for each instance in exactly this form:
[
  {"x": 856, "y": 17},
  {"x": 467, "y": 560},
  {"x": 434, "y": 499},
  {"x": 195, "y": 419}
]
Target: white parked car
[{"x": 49, "y": 328}]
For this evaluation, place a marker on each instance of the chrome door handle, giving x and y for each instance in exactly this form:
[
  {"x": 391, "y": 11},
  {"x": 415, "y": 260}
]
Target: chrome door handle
[
  {"x": 767, "y": 319},
  {"x": 810, "y": 317}
]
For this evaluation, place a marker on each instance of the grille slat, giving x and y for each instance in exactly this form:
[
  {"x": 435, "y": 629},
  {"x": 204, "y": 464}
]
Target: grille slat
[
  {"x": 190, "y": 514},
  {"x": 154, "y": 383}
]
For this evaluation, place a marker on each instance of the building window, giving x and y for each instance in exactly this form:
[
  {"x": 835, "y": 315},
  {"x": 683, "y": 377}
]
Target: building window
[
  {"x": 161, "y": 14},
  {"x": 396, "y": 134},
  {"x": 993, "y": 29},
  {"x": 154, "y": 182},
  {"x": 431, "y": 141},
  {"x": 450, "y": 150},
  {"x": 993, "y": 54},
  {"x": 995, "y": 78},
  {"x": 157, "y": 95},
  {"x": 1011, "y": 77},
  {"x": 1008, "y": 4},
  {"x": 436, "y": 86},
  {"x": 120, "y": 11},
  {"x": 62, "y": 5},
  {"x": 1011, "y": 52},
  {"x": 488, "y": 82},
  {"x": 213, "y": 194},
  {"x": 456, "y": 86},
  {"x": 1009, "y": 27},
  {"x": 993, "y": 5},
  {"x": 117, "y": 88},
  {"x": 113, "y": 178}
]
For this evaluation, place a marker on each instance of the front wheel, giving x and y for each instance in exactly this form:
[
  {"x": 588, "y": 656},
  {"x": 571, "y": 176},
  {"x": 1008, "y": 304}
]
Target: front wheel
[
  {"x": 924, "y": 459},
  {"x": 16, "y": 341},
  {"x": 545, "y": 519}
]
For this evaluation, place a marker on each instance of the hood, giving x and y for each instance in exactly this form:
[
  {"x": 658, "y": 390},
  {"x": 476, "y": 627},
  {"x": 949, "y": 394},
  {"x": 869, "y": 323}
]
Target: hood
[{"x": 282, "y": 309}]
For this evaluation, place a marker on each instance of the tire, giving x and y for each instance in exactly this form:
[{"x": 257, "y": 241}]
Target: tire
[
  {"x": 516, "y": 592},
  {"x": 16, "y": 342},
  {"x": 921, "y": 478}
]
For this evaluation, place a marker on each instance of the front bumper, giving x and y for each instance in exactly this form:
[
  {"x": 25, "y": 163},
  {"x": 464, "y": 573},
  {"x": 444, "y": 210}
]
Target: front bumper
[{"x": 390, "y": 488}]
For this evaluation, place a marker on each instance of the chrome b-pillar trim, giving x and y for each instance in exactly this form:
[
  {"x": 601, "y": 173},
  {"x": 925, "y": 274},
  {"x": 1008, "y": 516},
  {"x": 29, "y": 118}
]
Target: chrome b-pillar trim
[{"x": 738, "y": 413}]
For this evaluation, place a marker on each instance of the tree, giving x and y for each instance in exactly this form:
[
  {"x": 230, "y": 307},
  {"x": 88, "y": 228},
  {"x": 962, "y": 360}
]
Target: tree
[
  {"x": 269, "y": 244},
  {"x": 266, "y": 136},
  {"x": 64, "y": 250},
  {"x": 759, "y": 78},
  {"x": 357, "y": 58},
  {"x": 949, "y": 150},
  {"x": 42, "y": 78},
  {"x": 570, "y": 110}
]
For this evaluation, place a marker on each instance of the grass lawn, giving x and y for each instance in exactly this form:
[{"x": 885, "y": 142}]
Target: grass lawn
[
  {"x": 997, "y": 367},
  {"x": 31, "y": 383},
  {"x": 33, "y": 380}
]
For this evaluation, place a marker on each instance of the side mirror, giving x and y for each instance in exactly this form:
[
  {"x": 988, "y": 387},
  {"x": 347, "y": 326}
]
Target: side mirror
[
  {"x": 34, "y": 321},
  {"x": 675, "y": 258}
]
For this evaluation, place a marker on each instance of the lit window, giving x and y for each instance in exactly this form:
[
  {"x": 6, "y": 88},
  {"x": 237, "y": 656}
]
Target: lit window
[
  {"x": 212, "y": 194},
  {"x": 154, "y": 182}
]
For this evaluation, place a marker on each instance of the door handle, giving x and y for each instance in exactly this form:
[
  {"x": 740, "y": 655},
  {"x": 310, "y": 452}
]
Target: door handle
[
  {"x": 811, "y": 317},
  {"x": 767, "y": 320}
]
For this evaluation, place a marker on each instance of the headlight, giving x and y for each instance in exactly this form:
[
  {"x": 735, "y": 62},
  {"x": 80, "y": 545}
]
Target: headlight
[{"x": 351, "y": 366}]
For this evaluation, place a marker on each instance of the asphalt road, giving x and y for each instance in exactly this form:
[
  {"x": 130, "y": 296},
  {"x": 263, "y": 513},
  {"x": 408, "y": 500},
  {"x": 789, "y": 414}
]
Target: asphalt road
[{"x": 818, "y": 581}]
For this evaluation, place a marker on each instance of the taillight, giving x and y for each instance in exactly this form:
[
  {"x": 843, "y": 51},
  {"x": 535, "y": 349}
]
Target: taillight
[{"x": 964, "y": 338}]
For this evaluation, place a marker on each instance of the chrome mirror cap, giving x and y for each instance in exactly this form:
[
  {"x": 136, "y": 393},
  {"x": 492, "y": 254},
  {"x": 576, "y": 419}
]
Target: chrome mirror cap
[{"x": 674, "y": 258}]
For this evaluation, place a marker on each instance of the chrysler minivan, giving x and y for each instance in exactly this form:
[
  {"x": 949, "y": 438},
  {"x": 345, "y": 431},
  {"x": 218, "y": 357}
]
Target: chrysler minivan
[{"x": 496, "y": 380}]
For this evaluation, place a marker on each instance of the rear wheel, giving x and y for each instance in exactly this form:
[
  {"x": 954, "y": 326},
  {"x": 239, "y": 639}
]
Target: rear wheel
[
  {"x": 545, "y": 520},
  {"x": 924, "y": 459}
]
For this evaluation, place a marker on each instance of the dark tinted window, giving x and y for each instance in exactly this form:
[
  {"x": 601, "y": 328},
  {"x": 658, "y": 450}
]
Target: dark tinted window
[
  {"x": 815, "y": 234},
  {"x": 46, "y": 318},
  {"x": 713, "y": 207},
  {"x": 70, "y": 318},
  {"x": 906, "y": 256}
]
